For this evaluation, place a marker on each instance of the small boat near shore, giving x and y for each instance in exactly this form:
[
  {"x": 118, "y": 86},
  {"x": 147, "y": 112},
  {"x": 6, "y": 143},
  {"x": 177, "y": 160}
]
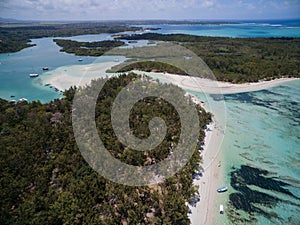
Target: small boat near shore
[
  {"x": 45, "y": 68},
  {"x": 33, "y": 75},
  {"x": 23, "y": 100},
  {"x": 222, "y": 189},
  {"x": 221, "y": 209}
]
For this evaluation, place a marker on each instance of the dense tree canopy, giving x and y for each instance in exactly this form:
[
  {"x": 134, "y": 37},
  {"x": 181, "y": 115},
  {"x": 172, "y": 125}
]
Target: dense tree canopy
[
  {"x": 97, "y": 48},
  {"x": 239, "y": 59},
  {"x": 45, "y": 180},
  {"x": 152, "y": 66},
  {"x": 16, "y": 37}
]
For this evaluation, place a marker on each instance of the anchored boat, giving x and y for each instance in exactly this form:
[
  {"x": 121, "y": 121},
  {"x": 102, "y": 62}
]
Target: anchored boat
[
  {"x": 33, "y": 75},
  {"x": 222, "y": 189}
]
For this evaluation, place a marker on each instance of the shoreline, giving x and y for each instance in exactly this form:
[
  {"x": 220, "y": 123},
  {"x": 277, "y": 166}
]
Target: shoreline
[
  {"x": 216, "y": 87},
  {"x": 67, "y": 76},
  {"x": 64, "y": 77},
  {"x": 206, "y": 209}
]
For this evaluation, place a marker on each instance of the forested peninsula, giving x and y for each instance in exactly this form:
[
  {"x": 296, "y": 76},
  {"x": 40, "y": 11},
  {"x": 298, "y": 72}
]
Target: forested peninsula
[
  {"x": 238, "y": 60},
  {"x": 14, "y": 38},
  {"x": 96, "y": 48},
  {"x": 235, "y": 60},
  {"x": 45, "y": 180}
]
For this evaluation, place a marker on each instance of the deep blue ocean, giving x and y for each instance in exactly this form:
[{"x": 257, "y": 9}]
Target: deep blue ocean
[
  {"x": 261, "y": 148},
  {"x": 241, "y": 29}
]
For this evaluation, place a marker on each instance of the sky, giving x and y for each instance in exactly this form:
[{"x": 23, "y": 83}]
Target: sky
[{"x": 149, "y": 9}]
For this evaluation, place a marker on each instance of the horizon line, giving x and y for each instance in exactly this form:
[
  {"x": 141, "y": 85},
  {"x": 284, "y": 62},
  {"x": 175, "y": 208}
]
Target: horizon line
[{"x": 12, "y": 20}]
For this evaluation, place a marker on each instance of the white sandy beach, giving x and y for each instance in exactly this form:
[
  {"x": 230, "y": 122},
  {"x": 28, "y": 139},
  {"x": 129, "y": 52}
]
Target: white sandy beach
[
  {"x": 207, "y": 208},
  {"x": 80, "y": 75},
  {"x": 76, "y": 75},
  {"x": 217, "y": 87}
]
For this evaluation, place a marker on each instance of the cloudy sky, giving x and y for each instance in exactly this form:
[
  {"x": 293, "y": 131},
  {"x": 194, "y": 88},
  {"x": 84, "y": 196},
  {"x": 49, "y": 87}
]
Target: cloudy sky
[{"x": 148, "y": 9}]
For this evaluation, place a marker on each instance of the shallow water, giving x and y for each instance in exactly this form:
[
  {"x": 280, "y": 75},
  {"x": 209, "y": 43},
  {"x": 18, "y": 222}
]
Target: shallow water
[
  {"x": 261, "y": 151},
  {"x": 16, "y": 67}
]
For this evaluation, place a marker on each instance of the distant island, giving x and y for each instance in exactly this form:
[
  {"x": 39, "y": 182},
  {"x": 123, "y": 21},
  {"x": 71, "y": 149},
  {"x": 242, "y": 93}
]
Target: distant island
[
  {"x": 16, "y": 34},
  {"x": 15, "y": 37},
  {"x": 97, "y": 48}
]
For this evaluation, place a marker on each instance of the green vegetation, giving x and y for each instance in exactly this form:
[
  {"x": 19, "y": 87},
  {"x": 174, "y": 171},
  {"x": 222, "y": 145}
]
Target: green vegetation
[
  {"x": 45, "y": 180},
  {"x": 152, "y": 66},
  {"x": 239, "y": 60},
  {"x": 234, "y": 60},
  {"x": 87, "y": 48},
  {"x": 15, "y": 38}
]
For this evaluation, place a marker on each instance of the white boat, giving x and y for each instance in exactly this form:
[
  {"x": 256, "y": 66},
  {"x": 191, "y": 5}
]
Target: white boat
[
  {"x": 79, "y": 60},
  {"x": 33, "y": 75},
  {"x": 221, "y": 209},
  {"x": 222, "y": 189},
  {"x": 23, "y": 100},
  {"x": 45, "y": 68}
]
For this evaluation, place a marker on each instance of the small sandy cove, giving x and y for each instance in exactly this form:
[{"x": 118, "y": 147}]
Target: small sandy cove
[{"x": 76, "y": 75}]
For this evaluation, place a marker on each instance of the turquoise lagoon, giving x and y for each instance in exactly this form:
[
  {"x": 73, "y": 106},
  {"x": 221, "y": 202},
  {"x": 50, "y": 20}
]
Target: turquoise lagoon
[
  {"x": 15, "y": 68},
  {"x": 263, "y": 132},
  {"x": 261, "y": 154}
]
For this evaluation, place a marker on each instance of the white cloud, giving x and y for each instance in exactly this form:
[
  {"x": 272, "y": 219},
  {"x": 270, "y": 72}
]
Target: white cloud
[
  {"x": 208, "y": 3},
  {"x": 146, "y": 9}
]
